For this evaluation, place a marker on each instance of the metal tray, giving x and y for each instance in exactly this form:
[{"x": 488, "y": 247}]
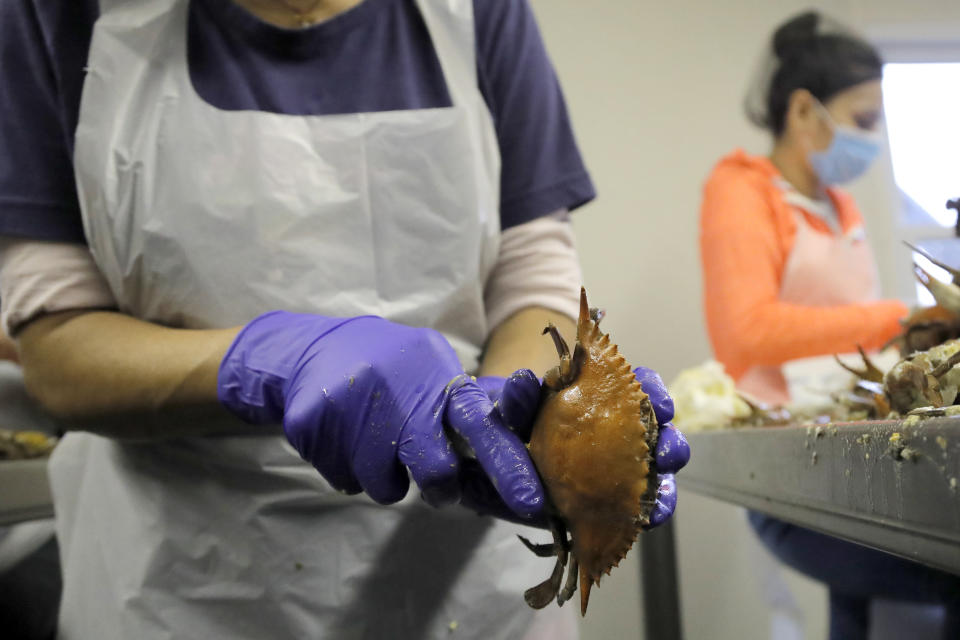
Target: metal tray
[{"x": 891, "y": 485}]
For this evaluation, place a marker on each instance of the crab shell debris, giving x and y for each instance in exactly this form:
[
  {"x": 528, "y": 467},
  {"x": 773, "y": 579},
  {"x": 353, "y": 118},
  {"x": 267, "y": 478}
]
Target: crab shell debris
[{"x": 592, "y": 444}]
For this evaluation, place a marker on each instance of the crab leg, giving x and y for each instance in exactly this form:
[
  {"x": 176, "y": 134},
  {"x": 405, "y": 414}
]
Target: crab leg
[
  {"x": 946, "y": 365},
  {"x": 953, "y": 272},
  {"x": 569, "y": 367},
  {"x": 563, "y": 350},
  {"x": 570, "y": 586},
  {"x": 541, "y": 550},
  {"x": 870, "y": 371},
  {"x": 544, "y": 593},
  {"x": 946, "y": 294}
]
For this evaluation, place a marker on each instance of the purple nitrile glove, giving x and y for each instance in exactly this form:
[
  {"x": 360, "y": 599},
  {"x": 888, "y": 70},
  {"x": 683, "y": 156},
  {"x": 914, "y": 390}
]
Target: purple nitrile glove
[
  {"x": 516, "y": 398},
  {"x": 672, "y": 451},
  {"x": 365, "y": 400}
]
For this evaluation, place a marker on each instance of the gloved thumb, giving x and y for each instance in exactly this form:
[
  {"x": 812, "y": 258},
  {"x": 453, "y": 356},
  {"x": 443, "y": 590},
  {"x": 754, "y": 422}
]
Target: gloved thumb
[
  {"x": 519, "y": 401},
  {"x": 501, "y": 454}
]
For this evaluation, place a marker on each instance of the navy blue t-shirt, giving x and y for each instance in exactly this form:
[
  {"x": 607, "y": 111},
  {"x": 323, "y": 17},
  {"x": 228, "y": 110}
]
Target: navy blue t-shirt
[{"x": 375, "y": 57}]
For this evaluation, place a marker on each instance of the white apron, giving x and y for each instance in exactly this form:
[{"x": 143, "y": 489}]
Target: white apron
[
  {"x": 202, "y": 218},
  {"x": 822, "y": 270}
]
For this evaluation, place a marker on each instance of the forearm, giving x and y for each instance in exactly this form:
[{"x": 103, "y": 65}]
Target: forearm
[
  {"x": 97, "y": 370},
  {"x": 8, "y": 349},
  {"x": 777, "y": 332},
  {"x": 516, "y": 343}
]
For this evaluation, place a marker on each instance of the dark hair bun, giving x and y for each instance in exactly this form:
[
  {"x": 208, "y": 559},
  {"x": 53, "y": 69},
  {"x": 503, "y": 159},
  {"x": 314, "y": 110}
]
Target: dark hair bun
[
  {"x": 813, "y": 52},
  {"x": 796, "y": 35}
]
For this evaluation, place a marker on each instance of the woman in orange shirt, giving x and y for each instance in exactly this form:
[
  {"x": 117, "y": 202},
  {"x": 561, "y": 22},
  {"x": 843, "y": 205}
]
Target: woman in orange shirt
[
  {"x": 788, "y": 274},
  {"x": 787, "y": 269}
]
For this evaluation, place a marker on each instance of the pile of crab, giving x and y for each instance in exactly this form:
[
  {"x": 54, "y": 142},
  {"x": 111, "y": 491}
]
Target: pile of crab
[{"x": 927, "y": 380}]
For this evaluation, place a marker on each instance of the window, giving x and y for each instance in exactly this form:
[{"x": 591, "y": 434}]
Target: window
[{"x": 921, "y": 103}]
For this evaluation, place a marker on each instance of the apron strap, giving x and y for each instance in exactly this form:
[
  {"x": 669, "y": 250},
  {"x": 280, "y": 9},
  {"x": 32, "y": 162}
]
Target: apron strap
[
  {"x": 799, "y": 204},
  {"x": 450, "y": 24}
]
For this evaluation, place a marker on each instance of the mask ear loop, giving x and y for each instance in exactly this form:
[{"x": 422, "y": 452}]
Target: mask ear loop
[
  {"x": 828, "y": 119},
  {"x": 822, "y": 110},
  {"x": 833, "y": 127},
  {"x": 872, "y": 136}
]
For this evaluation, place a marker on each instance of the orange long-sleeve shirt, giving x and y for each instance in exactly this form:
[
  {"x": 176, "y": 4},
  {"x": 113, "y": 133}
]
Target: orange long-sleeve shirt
[{"x": 747, "y": 231}]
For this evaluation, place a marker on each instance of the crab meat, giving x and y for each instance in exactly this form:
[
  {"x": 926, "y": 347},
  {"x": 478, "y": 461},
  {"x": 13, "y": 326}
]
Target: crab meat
[{"x": 592, "y": 444}]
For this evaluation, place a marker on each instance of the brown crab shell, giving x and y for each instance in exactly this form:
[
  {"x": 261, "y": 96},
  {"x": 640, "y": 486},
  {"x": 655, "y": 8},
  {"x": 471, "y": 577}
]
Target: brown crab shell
[{"x": 592, "y": 444}]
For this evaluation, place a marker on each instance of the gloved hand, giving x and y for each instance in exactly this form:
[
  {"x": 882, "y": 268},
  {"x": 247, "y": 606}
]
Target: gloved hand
[
  {"x": 365, "y": 400},
  {"x": 516, "y": 399},
  {"x": 672, "y": 452}
]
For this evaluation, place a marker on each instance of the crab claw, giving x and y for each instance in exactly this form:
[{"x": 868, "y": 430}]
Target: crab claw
[
  {"x": 947, "y": 295},
  {"x": 546, "y": 592}
]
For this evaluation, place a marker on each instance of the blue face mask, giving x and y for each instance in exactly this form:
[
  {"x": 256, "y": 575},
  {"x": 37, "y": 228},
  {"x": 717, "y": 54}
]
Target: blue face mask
[{"x": 850, "y": 154}]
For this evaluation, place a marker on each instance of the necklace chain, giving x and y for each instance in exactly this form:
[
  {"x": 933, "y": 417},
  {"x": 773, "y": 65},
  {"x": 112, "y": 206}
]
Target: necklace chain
[{"x": 302, "y": 14}]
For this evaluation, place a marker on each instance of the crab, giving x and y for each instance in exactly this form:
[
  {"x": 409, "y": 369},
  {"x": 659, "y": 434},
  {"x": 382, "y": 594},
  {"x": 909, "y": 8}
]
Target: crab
[
  {"x": 866, "y": 399},
  {"x": 928, "y": 378},
  {"x": 592, "y": 444}
]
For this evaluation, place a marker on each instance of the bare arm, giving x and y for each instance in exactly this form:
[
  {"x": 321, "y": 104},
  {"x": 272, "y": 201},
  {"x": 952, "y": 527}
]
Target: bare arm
[
  {"x": 113, "y": 374},
  {"x": 517, "y": 343}
]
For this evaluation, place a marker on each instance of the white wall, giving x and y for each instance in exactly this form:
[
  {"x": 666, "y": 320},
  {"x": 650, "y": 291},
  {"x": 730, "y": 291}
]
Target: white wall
[{"x": 655, "y": 91}]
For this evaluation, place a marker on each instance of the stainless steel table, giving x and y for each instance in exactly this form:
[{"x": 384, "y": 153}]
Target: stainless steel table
[{"x": 891, "y": 485}]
